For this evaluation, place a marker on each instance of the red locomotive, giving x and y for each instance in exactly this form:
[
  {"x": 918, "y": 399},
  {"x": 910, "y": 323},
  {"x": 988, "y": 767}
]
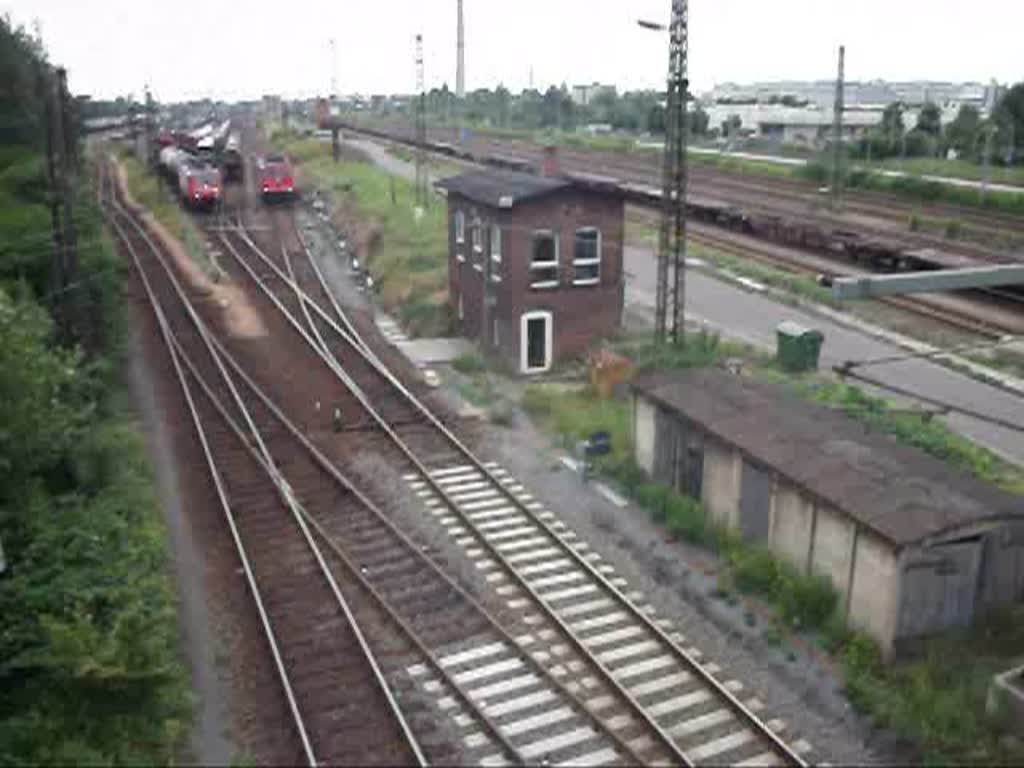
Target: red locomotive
[{"x": 275, "y": 178}]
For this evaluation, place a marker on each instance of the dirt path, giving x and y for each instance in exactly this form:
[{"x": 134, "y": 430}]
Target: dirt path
[{"x": 209, "y": 742}]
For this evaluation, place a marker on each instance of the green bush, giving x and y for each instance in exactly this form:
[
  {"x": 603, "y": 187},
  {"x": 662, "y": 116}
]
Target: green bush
[
  {"x": 686, "y": 518},
  {"x": 953, "y": 229},
  {"x": 655, "y": 499},
  {"x": 469, "y": 363},
  {"x": 756, "y": 570}
]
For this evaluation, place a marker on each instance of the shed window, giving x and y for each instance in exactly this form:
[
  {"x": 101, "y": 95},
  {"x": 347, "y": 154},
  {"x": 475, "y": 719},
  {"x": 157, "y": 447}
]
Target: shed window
[
  {"x": 477, "y": 235},
  {"x": 586, "y": 257},
  {"x": 460, "y": 227},
  {"x": 496, "y": 247},
  {"x": 544, "y": 261}
]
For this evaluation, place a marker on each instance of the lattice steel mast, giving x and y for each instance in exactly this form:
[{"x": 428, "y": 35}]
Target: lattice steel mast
[
  {"x": 422, "y": 197},
  {"x": 837, "y": 136},
  {"x": 672, "y": 233}
]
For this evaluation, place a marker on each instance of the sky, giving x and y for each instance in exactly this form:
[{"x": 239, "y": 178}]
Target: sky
[{"x": 228, "y": 49}]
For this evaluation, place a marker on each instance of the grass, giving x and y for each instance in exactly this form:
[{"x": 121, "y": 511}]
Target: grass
[
  {"x": 957, "y": 169},
  {"x": 574, "y": 413},
  {"x": 469, "y": 363},
  {"x": 937, "y": 700},
  {"x": 917, "y": 188},
  {"x": 794, "y": 284},
  {"x": 912, "y": 429},
  {"x": 407, "y": 250}
]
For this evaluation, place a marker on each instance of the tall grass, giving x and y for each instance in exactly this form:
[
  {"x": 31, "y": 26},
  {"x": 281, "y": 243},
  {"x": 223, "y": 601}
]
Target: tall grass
[{"x": 408, "y": 249}]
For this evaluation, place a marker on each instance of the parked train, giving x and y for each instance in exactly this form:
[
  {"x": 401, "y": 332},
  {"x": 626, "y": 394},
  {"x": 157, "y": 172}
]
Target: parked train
[
  {"x": 231, "y": 158},
  {"x": 198, "y": 183},
  {"x": 275, "y": 178}
]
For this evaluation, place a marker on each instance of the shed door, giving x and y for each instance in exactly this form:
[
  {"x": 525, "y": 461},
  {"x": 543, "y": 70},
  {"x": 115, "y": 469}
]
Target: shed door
[
  {"x": 665, "y": 445},
  {"x": 693, "y": 478},
  {"x": 755, "y": 502},
  {"x": 939, "y": 588}
]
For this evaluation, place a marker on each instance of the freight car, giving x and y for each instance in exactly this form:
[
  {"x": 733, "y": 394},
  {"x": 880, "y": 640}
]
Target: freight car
[
  {"x": 275, "y": 178},
  {"x": 231, "y": 159}
]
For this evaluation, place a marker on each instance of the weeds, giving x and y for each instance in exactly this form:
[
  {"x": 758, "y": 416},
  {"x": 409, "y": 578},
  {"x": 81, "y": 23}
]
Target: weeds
[{"x": 469, "y": 363}]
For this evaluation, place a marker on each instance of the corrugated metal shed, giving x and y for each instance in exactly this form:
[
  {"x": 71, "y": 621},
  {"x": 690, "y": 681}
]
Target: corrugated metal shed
[{"x": 902, "y": 494}]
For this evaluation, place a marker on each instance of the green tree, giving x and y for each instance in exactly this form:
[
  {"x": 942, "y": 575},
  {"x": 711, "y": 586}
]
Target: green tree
[
  {"x": 699, "y": 120},
  {"x": 929, "y": 120},
  {"x": 1008, "y": 118},
  {"x": 962, "y": 133},
  {"x": 731, "y": 126},
  {"x": 892, "y": 121},
  {"x": 502, "y": 105}
]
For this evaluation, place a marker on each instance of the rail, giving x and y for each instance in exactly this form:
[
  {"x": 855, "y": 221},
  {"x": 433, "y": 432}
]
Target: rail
[{"x": 737, "y": 707}]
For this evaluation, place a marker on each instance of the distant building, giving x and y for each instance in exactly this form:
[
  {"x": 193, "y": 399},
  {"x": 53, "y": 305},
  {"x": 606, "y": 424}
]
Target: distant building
[
  {"x": 911, "y": 545},
  {"x": 535, "y": 262},
  {"x": 272, "y": 108},
  {"x": 585, "y": 94},
  {"x": 874, "y": 94},
  {"x": 792, "y": 125}
]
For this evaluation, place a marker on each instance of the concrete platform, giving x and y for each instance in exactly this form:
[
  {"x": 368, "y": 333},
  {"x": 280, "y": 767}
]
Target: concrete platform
[{"x": 434, "y": 351}]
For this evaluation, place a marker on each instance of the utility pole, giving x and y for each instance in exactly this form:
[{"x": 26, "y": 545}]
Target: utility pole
[
  {"x": 837, "y": 137},
  {"x": 987, "y": 177},
  {"x": 460, "y": 67},
  {"x": 57, "y": 280},
  {"x": 421, "y": 129},
  {"x": 334, "y": 78},
  {"x": 150, "y": 128},
  {"x": 672, "y": 231},
  {"x": 67, "y": 145}
]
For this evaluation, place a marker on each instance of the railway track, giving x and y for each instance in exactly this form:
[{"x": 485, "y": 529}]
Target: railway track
[
  {"x": 944, "y": 312},
  {"x": 425, "y": 626},
  {"x": 328, "y": 674},
  {"x": 880, "y": 205},
  {"x": 625, "y": 662}
]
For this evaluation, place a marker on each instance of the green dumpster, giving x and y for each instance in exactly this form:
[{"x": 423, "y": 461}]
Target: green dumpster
[{"x": 798, "y": 347}]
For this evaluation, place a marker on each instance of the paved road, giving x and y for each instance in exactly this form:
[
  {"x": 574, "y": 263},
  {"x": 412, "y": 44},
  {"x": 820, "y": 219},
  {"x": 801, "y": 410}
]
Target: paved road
[{"x": 751, "y": 317}]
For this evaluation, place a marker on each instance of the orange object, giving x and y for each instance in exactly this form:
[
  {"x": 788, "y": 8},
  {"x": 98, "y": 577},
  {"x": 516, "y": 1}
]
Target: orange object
[{"x": 608, "y": 370}]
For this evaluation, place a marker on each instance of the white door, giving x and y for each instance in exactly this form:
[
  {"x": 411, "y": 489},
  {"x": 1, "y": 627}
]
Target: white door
[{"x": 535, "y": 341}]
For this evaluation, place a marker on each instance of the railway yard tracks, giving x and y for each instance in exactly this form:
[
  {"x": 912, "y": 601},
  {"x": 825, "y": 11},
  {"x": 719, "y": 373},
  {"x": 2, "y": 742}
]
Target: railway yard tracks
[
  {"x": 381, "y": 652},
  {"x": 990, "y": 320}
]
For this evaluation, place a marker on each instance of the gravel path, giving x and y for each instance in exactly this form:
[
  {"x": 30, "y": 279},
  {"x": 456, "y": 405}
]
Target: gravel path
[
  {"x": 794, "y": 680},
  {"x": 209, "y": 741}
]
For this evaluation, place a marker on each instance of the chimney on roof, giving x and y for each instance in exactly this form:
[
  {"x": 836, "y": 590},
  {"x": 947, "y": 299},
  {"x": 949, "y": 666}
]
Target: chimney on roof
[{"x": 550, "y": 164}]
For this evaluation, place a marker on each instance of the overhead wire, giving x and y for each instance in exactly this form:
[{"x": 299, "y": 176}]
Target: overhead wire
[{"x": 946, "y": 407}]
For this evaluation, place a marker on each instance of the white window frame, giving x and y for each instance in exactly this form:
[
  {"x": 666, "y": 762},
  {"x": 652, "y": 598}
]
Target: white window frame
[
  {"x": 496, "y": 253},
  {"x": 477, "y": 235},
  {"x": 549, "y": 333},
  {"x": 586, "y": 262},
  {"x": 545, "y": 265},
  {"x": 460, "y": 227}
]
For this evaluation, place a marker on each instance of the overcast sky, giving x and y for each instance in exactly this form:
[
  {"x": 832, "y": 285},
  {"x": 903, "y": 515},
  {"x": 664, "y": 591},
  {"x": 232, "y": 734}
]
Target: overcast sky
[{"x": 231, "y": 49}]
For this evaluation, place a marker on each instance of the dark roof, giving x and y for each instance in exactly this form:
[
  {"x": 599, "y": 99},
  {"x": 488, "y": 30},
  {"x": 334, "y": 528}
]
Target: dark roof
[
  {"x": 902, "y": 494},
  {"x": 502, "y": 189}
]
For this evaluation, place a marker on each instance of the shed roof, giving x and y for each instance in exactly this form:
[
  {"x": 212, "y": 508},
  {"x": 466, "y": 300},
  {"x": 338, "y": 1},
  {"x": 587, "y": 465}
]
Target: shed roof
[
  {"x": 502, "y": 189},
  {"x": 902, "y": 494}
]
